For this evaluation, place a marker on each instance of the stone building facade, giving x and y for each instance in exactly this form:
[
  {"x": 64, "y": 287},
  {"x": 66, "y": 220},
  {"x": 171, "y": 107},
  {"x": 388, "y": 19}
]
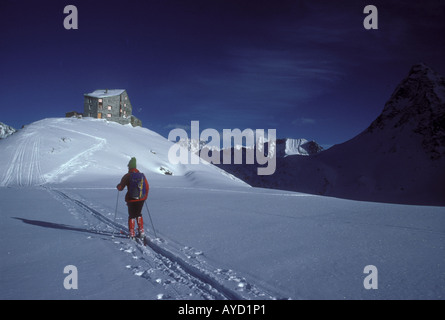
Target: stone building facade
[{"x": 112, "y": 105}]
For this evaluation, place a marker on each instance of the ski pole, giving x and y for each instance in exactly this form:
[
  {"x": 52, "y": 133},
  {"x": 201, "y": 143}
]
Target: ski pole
[
  {"x": 115, "y": 212},
  {"x": 149, "y": 215}
]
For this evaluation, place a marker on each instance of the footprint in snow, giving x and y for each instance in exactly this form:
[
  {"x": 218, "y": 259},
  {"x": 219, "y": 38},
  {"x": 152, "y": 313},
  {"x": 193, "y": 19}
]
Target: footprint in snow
[{"x": 192, "y": 253}]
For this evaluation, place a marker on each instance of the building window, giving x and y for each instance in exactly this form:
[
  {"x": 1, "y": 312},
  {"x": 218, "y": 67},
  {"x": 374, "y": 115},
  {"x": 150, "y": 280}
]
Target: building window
[
  {"x": 109, "y": 107},
  {"x": 108, "y": 115},
  {"x": 100, "y": 100}
]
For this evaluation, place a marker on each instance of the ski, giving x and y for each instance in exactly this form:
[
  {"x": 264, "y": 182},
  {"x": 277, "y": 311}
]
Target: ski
[{"x": 142, "y": 240}]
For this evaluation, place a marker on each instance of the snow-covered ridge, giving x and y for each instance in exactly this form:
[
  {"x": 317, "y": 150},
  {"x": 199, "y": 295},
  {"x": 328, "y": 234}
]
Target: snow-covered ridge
[
  {"x": 58, "y": 150},
  {"x": 288, "y": 147},
  {"x": 195, "y": 146},
  {"x": 5, "y": 130}
]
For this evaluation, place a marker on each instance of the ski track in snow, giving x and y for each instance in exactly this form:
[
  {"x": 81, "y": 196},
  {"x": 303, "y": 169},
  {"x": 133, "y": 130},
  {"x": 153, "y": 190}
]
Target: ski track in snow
[
  {"x": 24, "y": 168},
  {"x": 183, "y": 273},
  {"x": 78, "y": 162}
]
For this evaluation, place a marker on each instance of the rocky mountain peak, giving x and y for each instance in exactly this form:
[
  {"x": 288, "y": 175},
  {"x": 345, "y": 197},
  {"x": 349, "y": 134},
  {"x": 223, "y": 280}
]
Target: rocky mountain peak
[
  {"x": 417, "y": 105},
  {"x": 5, "y": 130}
]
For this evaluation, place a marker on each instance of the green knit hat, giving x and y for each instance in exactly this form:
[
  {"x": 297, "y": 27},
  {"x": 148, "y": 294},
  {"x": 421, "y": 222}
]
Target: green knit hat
[{"x": 132, "y": 163}]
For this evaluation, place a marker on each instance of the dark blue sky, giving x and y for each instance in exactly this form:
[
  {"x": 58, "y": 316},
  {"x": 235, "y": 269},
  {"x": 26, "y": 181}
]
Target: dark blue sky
[{"x": 306, "y": 68}]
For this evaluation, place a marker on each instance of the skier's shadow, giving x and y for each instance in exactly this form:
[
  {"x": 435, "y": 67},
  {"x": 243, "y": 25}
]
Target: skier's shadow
[{"x": 58, "y": 226}]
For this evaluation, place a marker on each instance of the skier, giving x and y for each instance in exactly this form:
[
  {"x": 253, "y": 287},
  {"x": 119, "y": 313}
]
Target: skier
[{"x": 137, "y": 192}]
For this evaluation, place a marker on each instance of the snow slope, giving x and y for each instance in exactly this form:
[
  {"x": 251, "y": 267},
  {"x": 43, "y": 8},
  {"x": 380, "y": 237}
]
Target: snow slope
[
  {"x": 53, "y": 151},
  {"x": 217, "y": 238}
]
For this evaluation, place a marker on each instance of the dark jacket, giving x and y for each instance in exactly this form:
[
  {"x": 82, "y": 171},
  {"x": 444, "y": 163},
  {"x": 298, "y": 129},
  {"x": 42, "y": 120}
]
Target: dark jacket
[{"x": 125, "y": 182}]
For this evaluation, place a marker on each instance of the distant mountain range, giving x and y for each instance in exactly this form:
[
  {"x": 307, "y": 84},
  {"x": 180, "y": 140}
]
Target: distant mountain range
[
  {"x": 284, "y": 147},
  {"x": 399, "y": 158}
]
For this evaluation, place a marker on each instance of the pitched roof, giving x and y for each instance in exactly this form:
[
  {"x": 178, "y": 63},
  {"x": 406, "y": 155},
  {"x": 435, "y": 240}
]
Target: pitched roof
[{"x": 105, "y": 93}]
